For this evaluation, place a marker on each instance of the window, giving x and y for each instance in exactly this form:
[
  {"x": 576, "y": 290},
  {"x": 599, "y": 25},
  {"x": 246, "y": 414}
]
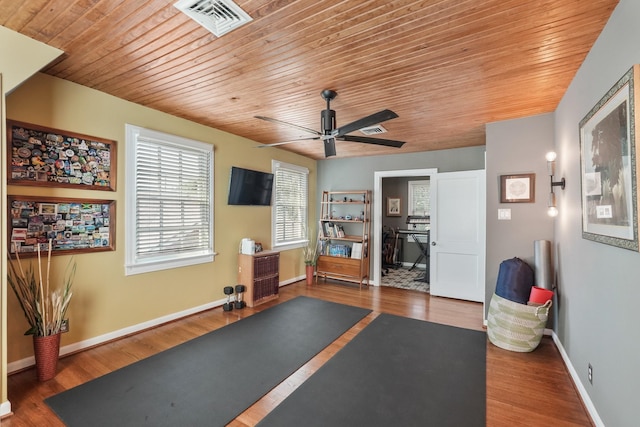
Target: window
[
  {"x": 169, "y": 201},
  {"x": 419, "y": 203},
  {"x": 290, "y": 201}
]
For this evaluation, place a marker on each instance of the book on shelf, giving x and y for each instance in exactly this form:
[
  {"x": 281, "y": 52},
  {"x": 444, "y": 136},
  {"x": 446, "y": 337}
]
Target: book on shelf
[
  {"x": 329, "y": 231},
  {"x": 356, "y": 251},
  {"x": 343, "y": 251}
]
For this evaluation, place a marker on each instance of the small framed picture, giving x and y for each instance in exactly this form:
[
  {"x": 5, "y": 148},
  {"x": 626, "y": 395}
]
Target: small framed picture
[
  {"x": 393, "y": 206},
  {"x": 518, "y": 188}
]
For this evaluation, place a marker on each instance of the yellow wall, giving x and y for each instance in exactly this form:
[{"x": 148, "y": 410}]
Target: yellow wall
[
  {"x": 105, "y": 300},
  {"x": 33, "y": 55}
]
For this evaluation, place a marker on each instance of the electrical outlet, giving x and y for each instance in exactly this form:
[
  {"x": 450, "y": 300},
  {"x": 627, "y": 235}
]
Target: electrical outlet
[
  {"x": 590, "y": 373},
  {"x": 64, "y": 327}
]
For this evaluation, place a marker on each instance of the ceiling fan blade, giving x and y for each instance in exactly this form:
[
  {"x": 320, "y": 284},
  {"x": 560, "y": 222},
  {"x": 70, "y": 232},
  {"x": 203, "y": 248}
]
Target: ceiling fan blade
[
  {"x": 367, "y": 140},
  {"x": 269, "y": 119},
  {"x": 287, "y": 142},
  {"x": 329, "y": 147},
  {"x": 379, "y": 117}
]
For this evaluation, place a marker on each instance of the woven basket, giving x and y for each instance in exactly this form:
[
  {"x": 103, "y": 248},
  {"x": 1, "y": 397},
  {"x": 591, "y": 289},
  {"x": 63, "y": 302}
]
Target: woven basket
[
  {"x": 514, "y": 326},
  {"x": 46, "y": 351}
]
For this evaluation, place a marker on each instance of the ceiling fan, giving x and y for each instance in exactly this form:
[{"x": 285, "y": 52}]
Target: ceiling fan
[{"x": 330, "y": 133}]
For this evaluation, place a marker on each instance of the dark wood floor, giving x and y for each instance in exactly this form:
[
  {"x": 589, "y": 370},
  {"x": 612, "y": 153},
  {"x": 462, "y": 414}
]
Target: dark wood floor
[{"x": 525, "y": 389}]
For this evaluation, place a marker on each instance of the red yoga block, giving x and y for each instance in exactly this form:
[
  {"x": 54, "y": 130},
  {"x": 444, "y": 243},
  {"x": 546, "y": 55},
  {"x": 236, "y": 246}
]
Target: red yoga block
[{"x": 540, "y": 295}]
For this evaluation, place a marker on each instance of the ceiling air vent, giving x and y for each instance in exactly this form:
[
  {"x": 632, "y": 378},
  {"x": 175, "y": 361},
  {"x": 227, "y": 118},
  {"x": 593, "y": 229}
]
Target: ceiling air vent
[
  {"x": 219, "y": 17},
  {"x": 373, "y": 130}
]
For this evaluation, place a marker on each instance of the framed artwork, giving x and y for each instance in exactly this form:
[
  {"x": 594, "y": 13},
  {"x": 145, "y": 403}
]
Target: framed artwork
[
  {"x": 518, "y": 188},
  {"x": 393, "y": 206},
  {"x": 73, "y": 225},
  {"x": 48, "y": 157},
  {"x": 608, "y": 167}
]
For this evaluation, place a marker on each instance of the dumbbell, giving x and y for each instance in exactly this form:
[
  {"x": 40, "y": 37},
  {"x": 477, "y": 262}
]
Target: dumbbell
[
  {"x": 228, "y": 291},
  {"x": 239, "y": 302}
]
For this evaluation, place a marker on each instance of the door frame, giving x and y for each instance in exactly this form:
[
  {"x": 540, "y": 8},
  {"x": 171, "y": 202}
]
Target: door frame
[{"x": 378, "y": 176}]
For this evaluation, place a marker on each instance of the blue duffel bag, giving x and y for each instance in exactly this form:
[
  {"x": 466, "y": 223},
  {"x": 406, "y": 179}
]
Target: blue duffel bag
[{"x": 515, "y": 279}]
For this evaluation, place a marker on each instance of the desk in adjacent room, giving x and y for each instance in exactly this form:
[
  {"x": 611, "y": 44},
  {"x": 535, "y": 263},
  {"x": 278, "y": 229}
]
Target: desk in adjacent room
[{"x": 421, "y": 237}]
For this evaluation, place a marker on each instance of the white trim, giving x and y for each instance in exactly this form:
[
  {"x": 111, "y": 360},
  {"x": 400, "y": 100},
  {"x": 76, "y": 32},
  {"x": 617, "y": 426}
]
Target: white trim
[
  {"x": 5, "y": 409},
  {"x": 140, "y": 327},
  {"x": 132, "y": 265},
  {"x": 377, "y": 211},
  {"x": 593, "y": 413},
  {"x": 288, "y": 245},
  {"x": 293, "y": 280},
  {"x": 586, "y": 399},
  {"x": 101, "y": 339}
]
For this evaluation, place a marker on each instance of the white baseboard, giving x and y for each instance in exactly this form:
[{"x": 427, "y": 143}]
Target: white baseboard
[
  {"x": 576, "y": 380},
  {"x": 71, "y": 348},
  {"x": 5, "y": 409},
  {"x": 290, "y": 281}
]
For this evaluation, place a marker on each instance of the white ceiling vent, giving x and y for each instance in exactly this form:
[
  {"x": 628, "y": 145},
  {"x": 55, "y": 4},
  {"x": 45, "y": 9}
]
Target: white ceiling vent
[
  {"x": 219, "y": 17},
  {"x": 373, "y": 130}
]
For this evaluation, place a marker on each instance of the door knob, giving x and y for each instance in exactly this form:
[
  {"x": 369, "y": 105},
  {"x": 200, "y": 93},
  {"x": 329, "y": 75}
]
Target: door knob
[{"x": 433, "y": 243}]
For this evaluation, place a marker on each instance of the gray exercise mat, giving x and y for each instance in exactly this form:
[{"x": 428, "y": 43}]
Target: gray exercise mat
[
  {"x": 396, "y": 372},
  {"x": 210, "y": 380}
]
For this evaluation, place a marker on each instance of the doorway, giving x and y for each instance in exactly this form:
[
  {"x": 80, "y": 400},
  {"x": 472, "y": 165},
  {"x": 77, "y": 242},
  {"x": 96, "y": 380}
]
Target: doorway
[
  {"x": 379, "y": 212},
  {"x": 457, "y": 245}
]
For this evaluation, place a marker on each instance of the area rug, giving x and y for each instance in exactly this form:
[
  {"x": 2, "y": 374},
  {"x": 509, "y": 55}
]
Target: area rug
[
  {"x": 396, "y": 372},
  {"x": 210, "y": 380},
  {"x": 404, "y": 278}
]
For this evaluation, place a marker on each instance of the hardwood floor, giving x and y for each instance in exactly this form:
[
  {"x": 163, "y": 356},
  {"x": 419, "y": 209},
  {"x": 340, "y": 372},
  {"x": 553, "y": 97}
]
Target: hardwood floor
[{"x": 525, "y": 389}]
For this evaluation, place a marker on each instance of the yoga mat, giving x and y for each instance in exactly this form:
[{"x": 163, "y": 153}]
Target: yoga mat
[
  {"x": 210, "y": 380},
  {"x": 396, "y": 372},
  {"x": 542, "y": 264}
]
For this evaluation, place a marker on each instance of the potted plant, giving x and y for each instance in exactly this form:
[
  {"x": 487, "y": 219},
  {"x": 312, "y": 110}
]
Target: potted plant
[
  {"x": 44, "y": 307},
  {"x": 310, "y": 254}
]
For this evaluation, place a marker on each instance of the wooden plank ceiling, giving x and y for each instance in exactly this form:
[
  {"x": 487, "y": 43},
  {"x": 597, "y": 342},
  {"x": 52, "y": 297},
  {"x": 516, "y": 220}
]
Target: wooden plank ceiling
[{"x": 446, "y": 67}]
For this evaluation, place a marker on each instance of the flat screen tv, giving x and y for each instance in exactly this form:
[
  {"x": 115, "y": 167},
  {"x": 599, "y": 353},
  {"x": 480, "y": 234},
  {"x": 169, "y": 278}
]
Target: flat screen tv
[{"x": 250, "y": 188}]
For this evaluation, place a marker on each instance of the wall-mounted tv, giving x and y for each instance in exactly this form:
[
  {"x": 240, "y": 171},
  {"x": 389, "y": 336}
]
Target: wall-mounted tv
[{"x": 250, "y": 188}]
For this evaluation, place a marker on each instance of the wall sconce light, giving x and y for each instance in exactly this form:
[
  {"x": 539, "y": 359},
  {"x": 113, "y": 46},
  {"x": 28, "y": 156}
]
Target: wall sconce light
[{"x": 551, "y": 167}]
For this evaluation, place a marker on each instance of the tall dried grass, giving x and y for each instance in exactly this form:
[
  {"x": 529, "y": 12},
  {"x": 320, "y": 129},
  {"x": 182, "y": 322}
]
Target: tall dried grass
[
  {"x": 44, "y": 308},
  {"x": 311, "y": 251}
]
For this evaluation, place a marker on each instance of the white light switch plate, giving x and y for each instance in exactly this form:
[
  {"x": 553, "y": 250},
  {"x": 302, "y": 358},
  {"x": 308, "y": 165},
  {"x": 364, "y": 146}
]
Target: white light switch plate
[{"x": 504, "y": 214}]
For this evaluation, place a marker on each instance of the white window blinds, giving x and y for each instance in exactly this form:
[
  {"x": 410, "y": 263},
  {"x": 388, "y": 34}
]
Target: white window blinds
[
  {"x": 420, "y": 198},
  {"x": 290, "y": 201},
  {"x": 170, "y": 211},
  {"x": 419, "y": 203}
]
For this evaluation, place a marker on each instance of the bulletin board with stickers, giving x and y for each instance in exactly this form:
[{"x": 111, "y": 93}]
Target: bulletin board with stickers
[
  {"x": 50, "y": 157},
  {"x": 71, "y": 225}
]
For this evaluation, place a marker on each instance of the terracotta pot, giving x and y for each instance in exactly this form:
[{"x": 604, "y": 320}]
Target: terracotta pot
[
  {"x": 309, "y": 271},
  {"x": 46, "y": 351}
]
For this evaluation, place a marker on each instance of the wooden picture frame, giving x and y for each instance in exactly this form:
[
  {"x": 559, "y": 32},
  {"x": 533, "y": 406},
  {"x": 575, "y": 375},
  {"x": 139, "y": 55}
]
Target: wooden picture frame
[
  {"x": 608, "y": 166},
  {"x": 393, "y": 206},
  {"x": 518, "y": 188},
  {"x": 73, "y": 225},
  {"x": 47, "y": 157}
]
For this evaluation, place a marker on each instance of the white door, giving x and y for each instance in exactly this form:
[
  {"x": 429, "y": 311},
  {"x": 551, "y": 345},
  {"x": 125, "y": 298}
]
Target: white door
[{"x": 458, "y": 234}]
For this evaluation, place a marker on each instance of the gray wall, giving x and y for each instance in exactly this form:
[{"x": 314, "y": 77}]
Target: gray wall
[
  {"x": 599, "y": 284},
  {"x": 357, "y": 173},
  {"x": 513, "y": 147}
]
